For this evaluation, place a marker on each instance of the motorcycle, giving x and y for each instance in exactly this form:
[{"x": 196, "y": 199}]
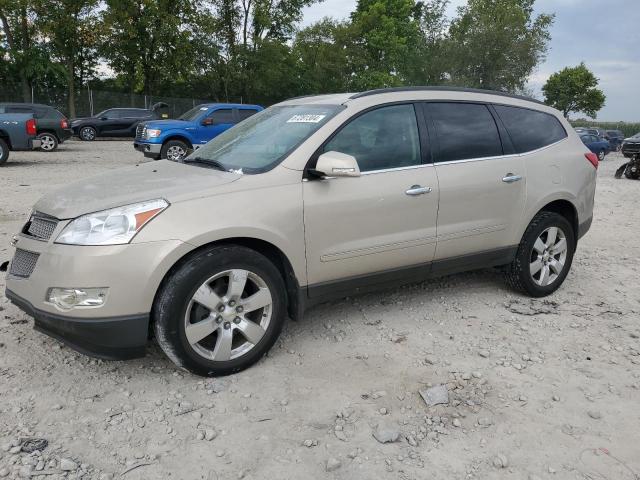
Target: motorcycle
[{"x": 631, "y": 169}]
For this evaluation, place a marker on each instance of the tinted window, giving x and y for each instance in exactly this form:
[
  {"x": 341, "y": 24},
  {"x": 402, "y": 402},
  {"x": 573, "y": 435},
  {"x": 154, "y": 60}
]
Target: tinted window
[
  {"x": 111, "y": 114},
  {"x": 20, "y": 110},
  {"x": 134, "y": 113},
  {"x": 530, "y": 129},
  {"x": 465, "y": 130},
  {"x": 222, "y": 116},
  {"x": 383, "y": 138},
  {"x": 245, "y": 113}
]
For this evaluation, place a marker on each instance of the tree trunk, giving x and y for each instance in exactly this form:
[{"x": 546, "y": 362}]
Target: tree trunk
[{"x": 72, "y": 89}]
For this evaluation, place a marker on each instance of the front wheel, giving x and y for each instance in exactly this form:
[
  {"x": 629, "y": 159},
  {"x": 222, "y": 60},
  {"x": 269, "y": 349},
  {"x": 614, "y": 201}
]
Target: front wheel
[
  {"x": 174, "y": 150},
  {"x": 48, "y": 142},
  {"x": 544, "y": 255},
  {"x": 88, "y": 134},
  {"x": 220, "y": 311}
]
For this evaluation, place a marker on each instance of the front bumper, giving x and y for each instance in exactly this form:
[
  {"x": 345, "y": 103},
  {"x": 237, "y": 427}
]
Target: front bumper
[
  {"x": 149, "y": 149},
  {"x": 114, "y": 338}
]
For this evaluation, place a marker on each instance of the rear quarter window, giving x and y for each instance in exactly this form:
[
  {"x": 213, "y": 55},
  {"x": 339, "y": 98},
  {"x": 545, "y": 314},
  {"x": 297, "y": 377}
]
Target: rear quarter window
[{"x": 530, "y": 129}]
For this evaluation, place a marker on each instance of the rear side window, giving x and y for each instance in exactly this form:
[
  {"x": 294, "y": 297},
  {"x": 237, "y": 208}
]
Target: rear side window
[
  {"x": 530, "y": 129},
  {"x": 20, "y": 110},
  {"x": 245, "y": 113},
  {"x": 465, "y": 131}
]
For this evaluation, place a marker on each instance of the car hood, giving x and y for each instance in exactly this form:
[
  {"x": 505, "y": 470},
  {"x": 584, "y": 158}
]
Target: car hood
[
  {"x": 168, "y": 124},
  {"x": 163, "y": 179}
]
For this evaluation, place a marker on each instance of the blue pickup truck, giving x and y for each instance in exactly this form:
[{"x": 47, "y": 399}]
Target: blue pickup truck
[
  {"x": 17, "y": 132},
  {"x": 175, "y": 139}
]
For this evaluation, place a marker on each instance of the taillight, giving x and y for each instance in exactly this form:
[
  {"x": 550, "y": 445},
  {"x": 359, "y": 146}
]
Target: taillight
[
  {"x": 64, "y": 123},
  {"x": 31, "y": 126},
  {"x": 593, "y": 158}
]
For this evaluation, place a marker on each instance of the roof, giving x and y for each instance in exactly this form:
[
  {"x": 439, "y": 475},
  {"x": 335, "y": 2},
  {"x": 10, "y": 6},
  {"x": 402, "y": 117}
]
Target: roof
[{"x": 442, "y": 89}]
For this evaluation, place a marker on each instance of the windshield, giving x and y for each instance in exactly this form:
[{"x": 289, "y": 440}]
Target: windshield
[
  {"x": 261, "y": 141},
  {"x": 194, "y": 113}
]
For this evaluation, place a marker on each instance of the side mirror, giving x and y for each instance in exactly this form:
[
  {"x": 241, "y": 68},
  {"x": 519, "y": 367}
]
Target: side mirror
[
  {"x": 103, "y": 118},
  {"x": 207, "y": 121},
  {"x": 336, "y": 164}
]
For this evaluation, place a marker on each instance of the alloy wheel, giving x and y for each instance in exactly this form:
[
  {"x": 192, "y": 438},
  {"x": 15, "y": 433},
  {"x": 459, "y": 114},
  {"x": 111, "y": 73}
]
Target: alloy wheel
[
  {"x": 548, "y": 256},
  {"x": 47, "y": 142},
  {"x": 228, "y": 315},
  {"x": 175, "y": 153},
  {"x": 87, "y": 133}
]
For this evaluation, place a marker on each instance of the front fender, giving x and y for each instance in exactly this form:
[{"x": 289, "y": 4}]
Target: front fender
[{"x": 176, "y": 132}]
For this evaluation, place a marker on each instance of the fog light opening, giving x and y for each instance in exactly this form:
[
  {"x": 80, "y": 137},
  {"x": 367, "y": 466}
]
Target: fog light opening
[{"x": 68, "y": 298}]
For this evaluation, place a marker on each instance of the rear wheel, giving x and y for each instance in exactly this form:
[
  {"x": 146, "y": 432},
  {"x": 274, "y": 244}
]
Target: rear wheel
[
  {"x": 221, "y": 311},
  {"x": 174, "y": 150},
  {"x": 632, "y": 172},
  {"x": 4, "y": 151},
  {"x": 601, "y": 155},
  {"x": 88, "y": 134},
  {"x": 544, "y": 255},
  {"x": 48, "y": 142}
]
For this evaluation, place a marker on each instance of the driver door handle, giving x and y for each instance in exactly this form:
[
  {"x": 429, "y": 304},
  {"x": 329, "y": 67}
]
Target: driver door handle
[
  {"x": 510, "y": 178},
  {"x": 418, "y": 190}
]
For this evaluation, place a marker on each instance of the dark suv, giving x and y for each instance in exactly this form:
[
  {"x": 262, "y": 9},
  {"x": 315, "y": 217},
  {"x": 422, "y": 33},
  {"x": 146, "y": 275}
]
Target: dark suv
[
  {"x": 52, "y": 126},
  {"x": 115, "y": 122}
]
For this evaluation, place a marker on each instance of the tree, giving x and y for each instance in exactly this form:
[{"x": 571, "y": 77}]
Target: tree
[
  {"x": 574, "y": 89},
  {"x": 496, "y": 44},
  {"x": 71, "y": 27}
]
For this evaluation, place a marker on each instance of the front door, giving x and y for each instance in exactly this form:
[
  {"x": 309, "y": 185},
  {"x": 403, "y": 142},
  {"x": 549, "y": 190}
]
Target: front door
[
  {"x": 382, "y": 221},
  {"x": 482, "y": 189},
  {"x": 219, "y": 120}
]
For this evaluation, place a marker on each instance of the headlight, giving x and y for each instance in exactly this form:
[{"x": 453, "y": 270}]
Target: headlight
[
  {"x": 153, "y": 133},
  {"x": 115, "y": 226}
]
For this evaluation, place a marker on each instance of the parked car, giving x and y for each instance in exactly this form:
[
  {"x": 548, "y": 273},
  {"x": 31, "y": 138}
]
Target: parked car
[
  {"x": 312, "y": 199},
  {"x": 631, "y": 146},
  {"x": 17, "y": 132},
  {"x": 53, "y": 127},
  {"x": 597, "y": 145},
  {"x": 598, "y": 132},
  {"x": 616, "y": 138},
  {"x": 114, "y": 122},
  {"x": 174, "y": 139}
]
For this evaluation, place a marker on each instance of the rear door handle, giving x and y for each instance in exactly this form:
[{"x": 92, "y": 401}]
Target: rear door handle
[
  {"x": 418, "y": 190},
  {"x": 510, "y": 178}
]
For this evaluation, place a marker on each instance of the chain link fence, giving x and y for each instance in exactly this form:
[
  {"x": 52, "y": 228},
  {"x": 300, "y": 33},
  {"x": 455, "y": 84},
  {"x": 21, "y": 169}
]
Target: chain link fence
[{"x": 89, "y": 102}]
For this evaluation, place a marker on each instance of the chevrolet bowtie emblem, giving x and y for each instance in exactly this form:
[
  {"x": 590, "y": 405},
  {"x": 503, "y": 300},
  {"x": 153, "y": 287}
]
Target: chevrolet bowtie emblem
[{"x": 14, "y": 240}]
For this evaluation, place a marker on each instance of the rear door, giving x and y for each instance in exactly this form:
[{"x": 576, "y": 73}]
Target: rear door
[
  {"x": 482, "y": 184},
  {"x": 109, "y": 124},
  {"x": 369, "y": 228}
]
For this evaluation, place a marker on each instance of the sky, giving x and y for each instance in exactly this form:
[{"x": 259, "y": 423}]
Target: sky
[{"x": 603, "y": 34}]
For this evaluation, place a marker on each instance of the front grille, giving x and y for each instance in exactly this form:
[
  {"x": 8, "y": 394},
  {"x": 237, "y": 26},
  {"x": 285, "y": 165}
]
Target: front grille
[
  {"x": 631, "y": 147},
  {"x": 40, "y": 227},
  {"x": 140, "y": 131},
  {"x": 23, "y": 263}
]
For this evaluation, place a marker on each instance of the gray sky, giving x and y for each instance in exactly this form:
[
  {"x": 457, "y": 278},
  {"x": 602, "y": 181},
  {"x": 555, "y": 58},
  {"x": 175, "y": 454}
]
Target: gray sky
[{"x": 603, "y": 34}]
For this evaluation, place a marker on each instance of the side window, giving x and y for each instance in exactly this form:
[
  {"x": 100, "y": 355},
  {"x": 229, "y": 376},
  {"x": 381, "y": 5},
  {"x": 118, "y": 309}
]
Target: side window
[
  {"x": 40, "y": 113},
  {"x": 585, "y": 139},
  {"x": 245, "y": 113},
  {"x": 111, "y": 114},
  {"x": 465, "y": 131},
  {"x": 20, "y": 110},
  {"x": 530, "y": 129},
  {"x": 222, "y": 116},
  {"x": 383, "y": 138}
]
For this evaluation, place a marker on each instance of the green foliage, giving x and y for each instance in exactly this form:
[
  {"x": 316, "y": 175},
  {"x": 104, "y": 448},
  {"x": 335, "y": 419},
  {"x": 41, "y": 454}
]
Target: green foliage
[
  {"x": 252, "y": 50},
  {"x": 496, "y": 44},
  {"x": 574, "y": 89}
]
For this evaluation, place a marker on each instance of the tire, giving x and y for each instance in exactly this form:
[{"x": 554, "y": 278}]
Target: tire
[
  {"x": 520, "y": 273},
  {"x": 206, "y": 277},
  {"x": 631, "y": 175},
  {"x": 49, "y": 142},
  {"x": 4, "y": 152},
  {"x": 88, "y": 134},
  {"x": 174, "y": 150},
  {"x": 601, "y": 155}
]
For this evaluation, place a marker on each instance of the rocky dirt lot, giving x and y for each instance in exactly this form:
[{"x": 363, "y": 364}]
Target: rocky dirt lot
[{"x": 537, "y": 389}]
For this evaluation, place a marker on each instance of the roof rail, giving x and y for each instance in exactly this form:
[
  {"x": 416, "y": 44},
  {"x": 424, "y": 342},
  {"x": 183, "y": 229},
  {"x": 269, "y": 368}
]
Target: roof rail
[{"x": 379, "y": 91}]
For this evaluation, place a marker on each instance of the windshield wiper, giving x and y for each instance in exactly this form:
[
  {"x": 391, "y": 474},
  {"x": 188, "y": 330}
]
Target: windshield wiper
[{"x": 203, "y": 161}]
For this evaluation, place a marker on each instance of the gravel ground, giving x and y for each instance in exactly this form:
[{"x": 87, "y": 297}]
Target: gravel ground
[{"x": 537, "y": 389}]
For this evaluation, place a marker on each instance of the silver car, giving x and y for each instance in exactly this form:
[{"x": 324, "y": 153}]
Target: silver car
[{"x": 313, "y": 198}]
